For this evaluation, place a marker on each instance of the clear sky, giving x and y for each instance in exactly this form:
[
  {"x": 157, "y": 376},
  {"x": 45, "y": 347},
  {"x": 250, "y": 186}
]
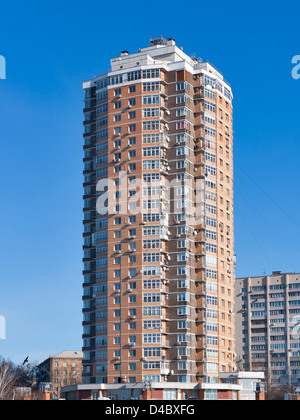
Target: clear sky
[{"x": 50, "y": 48}]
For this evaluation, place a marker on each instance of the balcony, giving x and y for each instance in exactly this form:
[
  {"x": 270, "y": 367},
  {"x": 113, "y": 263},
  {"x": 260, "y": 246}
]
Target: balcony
[
  {"x": 201, "y": 330},
  {"x": 165, "y": 371},
  {"x": 201, "y": 344},
  {"x": 165, "y": 344},
  {"x": 199, "y": 108},
  {"x": 200, "y": 264},
  {"x": 198, "y": 97},
  {"x": 199, "y": 149},
  {"x": 200, "y": 161}
]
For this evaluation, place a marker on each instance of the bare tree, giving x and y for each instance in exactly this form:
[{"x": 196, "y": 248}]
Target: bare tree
[{"x": 8, "y": 377}]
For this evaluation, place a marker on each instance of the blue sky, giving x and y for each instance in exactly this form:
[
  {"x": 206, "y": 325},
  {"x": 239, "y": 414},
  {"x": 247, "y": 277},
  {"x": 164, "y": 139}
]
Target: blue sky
[{"x": 50, "y": 48}]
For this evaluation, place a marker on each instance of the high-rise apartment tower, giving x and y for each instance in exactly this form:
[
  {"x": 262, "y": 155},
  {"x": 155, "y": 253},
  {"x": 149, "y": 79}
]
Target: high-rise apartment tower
[{"x": 158, "y": 220}]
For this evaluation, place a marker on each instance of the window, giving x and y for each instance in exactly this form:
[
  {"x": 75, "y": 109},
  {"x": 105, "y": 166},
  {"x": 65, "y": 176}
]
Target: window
[
  {"x": 152, "y": 352},
  {"x": 182, "y": 86},
  {"x": 134, "y": 75},
  {"x": 151, "y": 73},
  {"x": 182, "y": 257},
  {"x": 151, "y": 86},
  {"x": 181, "y": 112},
  {"x": 184, "y": 366},
  {"x": 182, "y": 125},
  {"x": 132, "y": 89},
  {"x": 183, "y": 284},
  {"x": 183, "y": 297},
  {"x": 152, "y": 284},
  {"x": 132, "y": 193},
  {"x": 151, "y": 164},
  {"x": 182, "y": 151},
  {"x": 151, "y": 178},
  {"x": 152, "y": 270},
  {"x": 182, "y": 164},
  {"x": 152, "y": 338},
  {"x": 151, "y": 258},
  {"x": 102, "y": 96},
  {"x": 181, "y": 99},
  {"x": 151, "y": 191},
  {"x": 183, "y": 325},
  {"x": 210, "y": 132},
  {"x": 151, "y": 311},
  {"x": 151, "y": 138},
  {"x": 152, "y": 244},
  {"x": 132, "y": 312},
  {"x": 212, "y": 300},
  {"x": 101, "y": 121},
  {"x": 151, "y": 125},
  {"x": 117, "y": 367},
  {"x": 151, "y": 297},
  {"x": 184, "y": 338},
  {"x": 151, "y": 112},
  {"x": 151, "y": 100}
]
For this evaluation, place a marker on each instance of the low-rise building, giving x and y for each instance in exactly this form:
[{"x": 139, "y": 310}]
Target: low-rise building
[
  {"x": 252, "y": 385},
  {"x": 233, "y": 386},
  {"x": 61, "y": 370}
]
